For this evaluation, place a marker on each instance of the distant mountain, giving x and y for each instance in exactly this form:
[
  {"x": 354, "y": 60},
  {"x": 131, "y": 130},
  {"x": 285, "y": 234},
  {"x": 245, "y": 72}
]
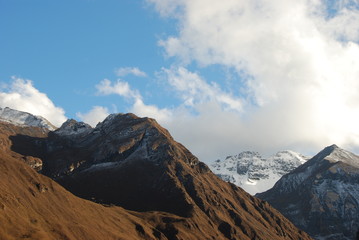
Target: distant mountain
[
  {"x": 322, "y": 195},
  {"x": 24, "y": 119},
  {"x": 250, "y": 171},
  {"x": 133, "y": 163}
]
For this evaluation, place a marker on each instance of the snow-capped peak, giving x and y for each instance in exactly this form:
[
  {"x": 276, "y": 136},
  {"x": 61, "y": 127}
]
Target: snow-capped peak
[
  {"x": 334, "y": 153},
  {"x": 288, "y": 155},
  {"x": 255, "y": 173},
  {"x": 321, "y": 196},
  {"x": 24, "y": 119}
]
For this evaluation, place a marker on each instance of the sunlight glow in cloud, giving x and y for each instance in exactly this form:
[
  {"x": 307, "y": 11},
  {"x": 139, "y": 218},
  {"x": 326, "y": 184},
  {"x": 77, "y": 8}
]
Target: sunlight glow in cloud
[{"x": 23, "y": 96}]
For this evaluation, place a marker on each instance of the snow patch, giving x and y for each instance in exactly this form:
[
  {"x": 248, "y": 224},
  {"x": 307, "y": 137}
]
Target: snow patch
[{"x": 101, "y": 166}]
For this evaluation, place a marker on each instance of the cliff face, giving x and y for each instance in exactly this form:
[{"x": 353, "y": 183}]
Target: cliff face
[
  {"x": 133, "y": 163},
  {"x": 321, "y": 196}
]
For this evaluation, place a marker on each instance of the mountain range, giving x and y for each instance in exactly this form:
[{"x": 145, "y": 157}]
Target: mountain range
[
  {"x": 127, "y": 178},
  {"x": 254, "y": 173}
]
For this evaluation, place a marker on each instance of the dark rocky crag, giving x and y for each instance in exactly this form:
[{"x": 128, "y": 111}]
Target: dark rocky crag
[
  {"x": 134, "y": 163},
  {"x": 321, "y": 196}
]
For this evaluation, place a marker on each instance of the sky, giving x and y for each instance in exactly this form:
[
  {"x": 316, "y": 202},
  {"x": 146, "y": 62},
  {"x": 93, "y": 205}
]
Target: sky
[{"x": 221, "y": 76}]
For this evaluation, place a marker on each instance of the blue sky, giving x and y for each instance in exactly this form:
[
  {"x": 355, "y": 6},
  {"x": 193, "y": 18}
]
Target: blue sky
[
  {"x": 67, "y": 47},
  {"x": 223, "y": 77}
]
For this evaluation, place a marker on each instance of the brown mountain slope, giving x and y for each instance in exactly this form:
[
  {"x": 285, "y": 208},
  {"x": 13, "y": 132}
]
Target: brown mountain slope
[
  {"x": 133, "y": 163},
  {"x": 33, "y": 206}
]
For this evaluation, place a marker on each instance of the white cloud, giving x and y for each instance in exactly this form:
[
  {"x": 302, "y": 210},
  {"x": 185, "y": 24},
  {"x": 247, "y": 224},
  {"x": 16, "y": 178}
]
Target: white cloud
[
  {"x": 194, "y": 90},
  {"x": 22, "y": 95},
  {"x": 300, "y": 65},
  {"x": 138, "y": 107},
  {"x": 167, "y": 7},
  {"x": 122, "y": 88},
  {"x": 95, "y": 115},
  {"x": 143, "y": 110},
  {"x": 124, "y": 71}
]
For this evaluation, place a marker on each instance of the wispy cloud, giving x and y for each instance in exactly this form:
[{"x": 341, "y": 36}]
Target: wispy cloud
[
  {"x": 124, "y": 71},
  {"x": 122, "y": 88},
  {"x": 22, "y": 95},
  {"x": 193, "y": 89}
]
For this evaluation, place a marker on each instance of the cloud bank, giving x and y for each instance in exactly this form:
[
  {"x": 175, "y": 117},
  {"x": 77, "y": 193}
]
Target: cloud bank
[
  {"x": 298, "y": 62},
  {"x": 22, "y": 95}
]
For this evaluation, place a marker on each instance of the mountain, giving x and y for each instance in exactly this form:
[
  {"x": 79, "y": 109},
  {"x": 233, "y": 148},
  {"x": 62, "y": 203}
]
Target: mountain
[
  {"x": 24, "y": 119},
  {"x": 250, "y": 171},
  {"x": 322, "y": 195},
  {"x": 33, "y": 206},
  {"x": 128, "y": 162}
]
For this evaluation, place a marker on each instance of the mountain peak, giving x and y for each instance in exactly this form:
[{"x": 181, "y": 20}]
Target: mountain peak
[
  {"x": 255, "y": 173},
  {"x": 334, "y": 146},
  {"x": 21, "y": 118},
  {"x": 116, "y": 117},
  {"x": 71, "y": 127},
  {"x": 333, "y": 153},
  {"x": 326, "y": 152},
  {"x": 321, "y": 195},
  {"x": 331, "y": 148}
]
